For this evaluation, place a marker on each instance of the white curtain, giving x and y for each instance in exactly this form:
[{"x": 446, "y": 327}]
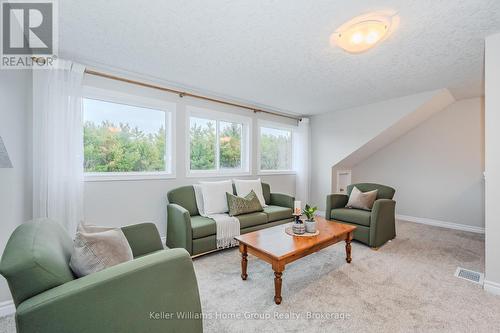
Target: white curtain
[
  {"x": 58, "y": 144},
  {"x": 301, "y": 162}
]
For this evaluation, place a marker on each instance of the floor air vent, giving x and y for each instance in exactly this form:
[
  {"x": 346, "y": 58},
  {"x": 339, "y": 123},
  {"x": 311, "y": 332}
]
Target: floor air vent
[{"x": 469, "y": 275}]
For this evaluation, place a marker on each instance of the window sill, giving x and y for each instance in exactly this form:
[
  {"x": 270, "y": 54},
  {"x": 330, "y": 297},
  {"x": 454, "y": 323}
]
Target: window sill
[
  {"x": 277, "y": 172},
  {"x": 132, "y": 176},
  {"x": 191, "y": 174}
]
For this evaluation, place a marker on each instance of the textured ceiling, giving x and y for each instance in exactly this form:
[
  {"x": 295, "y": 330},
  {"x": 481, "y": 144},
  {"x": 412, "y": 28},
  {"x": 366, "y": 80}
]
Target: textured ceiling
[{"x": 277, "y": 53}]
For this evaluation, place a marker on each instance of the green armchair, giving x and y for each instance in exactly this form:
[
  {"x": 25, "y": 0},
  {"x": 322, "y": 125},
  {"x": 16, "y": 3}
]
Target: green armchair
[
  {"x": 374, "y": 227},
  {"x": 135, "y": 296}
]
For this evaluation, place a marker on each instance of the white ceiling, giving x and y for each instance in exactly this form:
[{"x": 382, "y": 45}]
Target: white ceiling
[{"x": 277, "y": 53}]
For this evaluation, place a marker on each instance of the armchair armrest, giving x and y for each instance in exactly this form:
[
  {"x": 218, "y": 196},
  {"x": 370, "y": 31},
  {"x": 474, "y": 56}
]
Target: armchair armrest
[
  {"x": 382, "y": 222},
  {"x": 179, "y": 232},
  {"x": 283, "y": 200},
  {"x": 143, "y": 238},
  {"x": 123, "y": 298},
  {"x": 334, "y": 201}
]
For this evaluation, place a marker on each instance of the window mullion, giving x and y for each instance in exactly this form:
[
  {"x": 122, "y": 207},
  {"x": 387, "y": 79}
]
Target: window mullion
[
  {"x": 243, "y": 148},
  {"x": 168, "y": 150},
  {"x": 217, "y": 146}
]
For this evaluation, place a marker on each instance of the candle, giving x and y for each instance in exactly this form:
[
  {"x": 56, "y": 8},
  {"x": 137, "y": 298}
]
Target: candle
[{"x": 297, "y": 208}]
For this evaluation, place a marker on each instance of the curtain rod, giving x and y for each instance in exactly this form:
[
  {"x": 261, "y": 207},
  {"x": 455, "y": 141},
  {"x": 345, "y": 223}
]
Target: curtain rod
[
  {"x": 188, "y": 94},
  {"x": 179, "y": 92}
]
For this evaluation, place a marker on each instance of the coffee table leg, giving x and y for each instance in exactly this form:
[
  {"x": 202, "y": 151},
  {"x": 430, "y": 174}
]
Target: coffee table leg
[
  {"x": 244, "y": 261},
  {"x": 277, "y": 287},
  {"x": 348, "y": 248}
]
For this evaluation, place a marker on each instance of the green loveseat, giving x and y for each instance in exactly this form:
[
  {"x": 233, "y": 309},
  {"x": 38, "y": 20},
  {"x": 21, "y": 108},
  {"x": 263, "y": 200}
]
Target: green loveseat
[
  {"x": 374, "y": 227},
  {"x": 197, "y": 234},
  {"x": 134, "y": 296}
]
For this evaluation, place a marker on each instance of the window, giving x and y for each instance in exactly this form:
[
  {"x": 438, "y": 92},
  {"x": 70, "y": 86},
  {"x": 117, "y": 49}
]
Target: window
[
  {"x": 218, "y": 143},
  {"x": 275, "y": 149},
  {"x": 230, "y": 145},
  {"x": 125, "y": 140},
  {"x": 203, "y": 143}
]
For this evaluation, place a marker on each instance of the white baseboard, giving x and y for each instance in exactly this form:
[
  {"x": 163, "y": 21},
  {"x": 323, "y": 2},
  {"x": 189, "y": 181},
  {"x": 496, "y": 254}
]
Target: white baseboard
[
  {"x": 436, "y": 223},
  {"x": 7, "y": 308},
  {"x": 442, "y": 224},
  {"x": 492, "y": 287}
]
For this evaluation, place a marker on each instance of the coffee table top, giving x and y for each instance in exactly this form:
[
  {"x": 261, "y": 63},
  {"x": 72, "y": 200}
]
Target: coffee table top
[{"x": 276, "y": 243}]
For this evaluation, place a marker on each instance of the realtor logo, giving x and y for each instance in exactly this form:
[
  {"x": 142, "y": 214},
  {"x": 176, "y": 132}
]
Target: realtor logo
[{"x": 28, "y": 30}]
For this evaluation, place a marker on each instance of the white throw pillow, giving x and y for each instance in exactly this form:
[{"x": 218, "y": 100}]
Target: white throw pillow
[
  {"x": 96, "y": 248},
  {"x": 362, "y": 200},
  {"x": 214, "y": 196},
  {"x": 244, "y": 186}
]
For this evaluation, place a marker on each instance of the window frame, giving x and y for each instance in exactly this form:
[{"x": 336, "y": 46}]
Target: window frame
[
  {"x": 278, "y": 126},
  {"x": 117, "y": 97},
  {"x": 217, "y": 116}
]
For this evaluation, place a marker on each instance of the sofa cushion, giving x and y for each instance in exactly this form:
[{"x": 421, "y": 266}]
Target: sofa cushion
[
  {"x": 214, "y": 196},
  {"x": 239, "y": 206},
  {"x": 383, "y": 192},
  {"x": 143, "y": 238},
  {"x": 245, "y": 186},
  {"x": 361, "y": 200},
  {"x": 249, "y": 220},
  {"x": 276, "y": 213},
  {"x": 96, "y": 248},
  {"x": 266, "y": 192},
  {"x": 202, "y": 226},
  {"x": 36, "y": 259},
  {"x": 184, "y": 197},
  {"x": 355, "y": 216}
]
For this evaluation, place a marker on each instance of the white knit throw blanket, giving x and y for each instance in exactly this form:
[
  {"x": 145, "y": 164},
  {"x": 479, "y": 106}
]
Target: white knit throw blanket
[{"x": 228, "y": 227}]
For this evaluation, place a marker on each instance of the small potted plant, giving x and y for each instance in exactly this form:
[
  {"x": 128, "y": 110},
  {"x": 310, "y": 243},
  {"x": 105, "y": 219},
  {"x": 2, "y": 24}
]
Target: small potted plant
[{"x": 310, "y": 223}]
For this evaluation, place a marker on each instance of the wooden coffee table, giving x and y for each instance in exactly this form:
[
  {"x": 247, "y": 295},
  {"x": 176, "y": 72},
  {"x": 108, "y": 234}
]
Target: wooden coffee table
[{"x": 278, "y": 248}]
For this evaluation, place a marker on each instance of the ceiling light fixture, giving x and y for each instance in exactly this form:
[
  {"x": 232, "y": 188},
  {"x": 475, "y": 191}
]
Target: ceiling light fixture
[{"x": 364, "y": 32}]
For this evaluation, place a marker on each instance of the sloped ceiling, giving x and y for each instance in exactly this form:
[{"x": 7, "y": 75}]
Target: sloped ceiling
[
  {"x": 277, "y": 53},
  {"x": 342, "y": 138},
  {"x": 435, "y": 103}
]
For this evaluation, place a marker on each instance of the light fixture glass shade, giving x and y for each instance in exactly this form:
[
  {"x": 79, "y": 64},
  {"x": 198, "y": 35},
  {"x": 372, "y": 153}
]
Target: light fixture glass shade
[{"x": 364, "y": 32}]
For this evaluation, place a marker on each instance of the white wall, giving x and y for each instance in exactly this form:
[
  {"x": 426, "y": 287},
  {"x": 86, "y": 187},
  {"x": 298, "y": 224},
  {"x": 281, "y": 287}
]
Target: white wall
[
  {"x": 117, "y": 203},
  {"x": 437, "y": 167},
  {"x": 337, "y": 134},
  {"x": 492, "y": 163},
  {"x": 15, "y": 183}
]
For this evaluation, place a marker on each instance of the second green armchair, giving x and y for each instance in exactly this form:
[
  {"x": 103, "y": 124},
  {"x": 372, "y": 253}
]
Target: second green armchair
[{"x": 374, "y": 227}]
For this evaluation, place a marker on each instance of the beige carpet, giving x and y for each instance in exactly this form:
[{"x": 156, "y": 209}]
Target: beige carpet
[{"x": 406, "y": 286}]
